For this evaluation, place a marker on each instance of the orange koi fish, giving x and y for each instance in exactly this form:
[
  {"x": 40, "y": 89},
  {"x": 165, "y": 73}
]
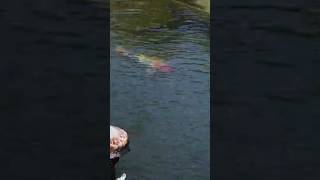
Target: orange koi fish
[{"x": 155, "y": 63}]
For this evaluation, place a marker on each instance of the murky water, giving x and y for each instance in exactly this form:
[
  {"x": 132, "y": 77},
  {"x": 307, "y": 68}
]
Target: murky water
[
  {"x": 165, "y": 114},
  {"x": 266, "y": 101},
  {"x": 53, "y": 108}
]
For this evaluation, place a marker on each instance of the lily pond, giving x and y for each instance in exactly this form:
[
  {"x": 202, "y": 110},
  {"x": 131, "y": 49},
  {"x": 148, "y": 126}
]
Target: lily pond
[{"x": 165, "y": 112}]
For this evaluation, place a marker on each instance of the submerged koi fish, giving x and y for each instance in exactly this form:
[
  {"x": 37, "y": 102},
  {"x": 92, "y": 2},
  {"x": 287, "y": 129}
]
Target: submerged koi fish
[{"x": 154, "y": 62}]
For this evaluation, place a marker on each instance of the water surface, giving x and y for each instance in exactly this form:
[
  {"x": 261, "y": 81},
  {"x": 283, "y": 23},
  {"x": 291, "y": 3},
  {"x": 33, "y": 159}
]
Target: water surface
[{"x": 165, "y": 114}]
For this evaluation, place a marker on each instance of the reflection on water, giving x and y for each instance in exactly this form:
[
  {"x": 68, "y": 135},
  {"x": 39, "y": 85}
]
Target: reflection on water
[{"x": 165, "y": 114}]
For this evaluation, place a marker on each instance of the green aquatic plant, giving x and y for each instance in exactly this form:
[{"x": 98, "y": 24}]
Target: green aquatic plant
[
  {"x": 152, "y": 23},
  {"x": 143, "y": 15},
  {"x": 140, "y": 15},
  {"x": 202, "y": 5}
]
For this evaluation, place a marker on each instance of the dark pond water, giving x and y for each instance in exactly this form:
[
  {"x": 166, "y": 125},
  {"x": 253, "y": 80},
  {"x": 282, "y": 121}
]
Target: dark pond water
[
  {"x": 53, "y": 82},
  {"x": 165, "y": 114},
  {"x": 266, "y": 101}
]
